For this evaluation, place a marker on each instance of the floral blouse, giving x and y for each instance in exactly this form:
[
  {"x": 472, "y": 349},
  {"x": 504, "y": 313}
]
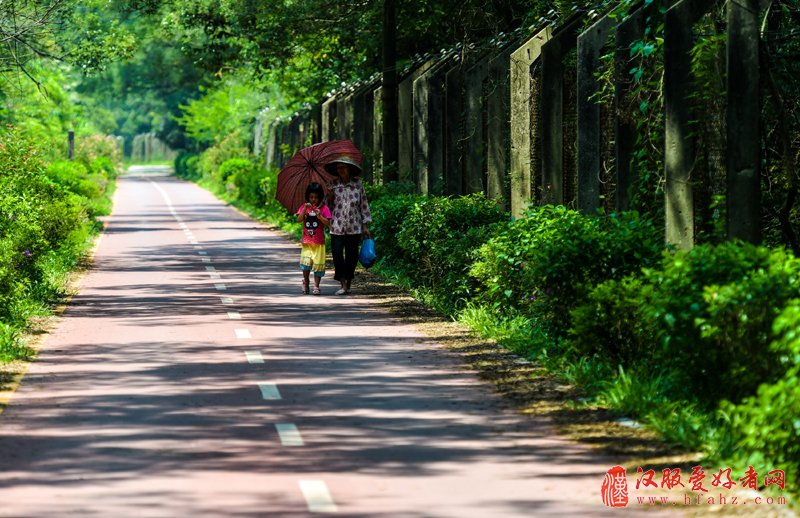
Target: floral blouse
[{"x": 349, "y": 205}]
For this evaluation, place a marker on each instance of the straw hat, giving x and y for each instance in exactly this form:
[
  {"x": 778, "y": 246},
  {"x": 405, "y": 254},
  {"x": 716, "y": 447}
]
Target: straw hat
[{"x": 355, "y": 167}]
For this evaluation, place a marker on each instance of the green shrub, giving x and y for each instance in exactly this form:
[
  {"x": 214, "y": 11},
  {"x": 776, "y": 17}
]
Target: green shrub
[
  {"x": 704, "y": 316},
  {"x": 764, "y": 429},
  {"x": 437, "y": 241},
  {"x": 610, "y": 323},
  {"x": 36, "y": 217},
  {"x": 547, "y": 262},
  {"x": 388, "y": 215},
  {"x": 389, "y": 190},
  {"x": 230, "y": 146},
  {"x": 243, "y": 180},
  {"x": 77, "y": 178},
  {"x": 230, "y": 167},
  {"x": 88, "y": 148},
  {"x": 11, "y": 345},
  {"x": 105, "y": 166},
  {"x": 186, "y": 166},
  {"x": 251, "y": 186}
]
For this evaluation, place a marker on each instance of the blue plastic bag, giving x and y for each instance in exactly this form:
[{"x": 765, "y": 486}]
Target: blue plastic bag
[{"x": 367, "y": 255}]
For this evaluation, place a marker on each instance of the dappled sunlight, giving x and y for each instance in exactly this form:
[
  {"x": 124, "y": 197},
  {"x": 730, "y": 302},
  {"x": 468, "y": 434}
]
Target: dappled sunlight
[{"x": 144, "y": 397}]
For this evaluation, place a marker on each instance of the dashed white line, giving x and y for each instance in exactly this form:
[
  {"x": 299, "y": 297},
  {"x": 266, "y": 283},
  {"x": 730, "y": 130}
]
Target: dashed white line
[
  {"x": 269, "y": 391},
  {"x": 214, "y": 276},
  {"x": 220, "y": 287},
  {"x": 206, "y": 259},
  {"x": 202, "y": 253},
  {"x": 225, "y": 300},
  {"x": 317, "y": 496},
  {"x": 210, "y": 269},
  {"x": 289, "y": 434},
  {"x": 193, "y": 241},
  {"x": 234, "y": 315},
  {"x": 254, "y": 357},
  {"x": 243, "y": 333}
]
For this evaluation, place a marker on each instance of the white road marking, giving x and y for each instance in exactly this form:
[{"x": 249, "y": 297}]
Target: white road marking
[
  {"x": 317, "y": 496},
  {"x": 210, "y": 269},
  {"x": 220, "y": 287},
  {"x": 269, "y": 391},
  {"x": 225, "y": 300},
  {"x": 202, "y": 253},
  {"x": 289, "y": 434},
  {"x": 254, "y": 357},
  {"x": 198, "y": 247},
  {"x": 234, "y": 315},
  {"x": 193, "y": 241},
  {"x": 214, "y": 276},
  {"x": 206, "y": 259},
  {"x": 167, "y": 200},
  {"x": 243, "y": 333}
]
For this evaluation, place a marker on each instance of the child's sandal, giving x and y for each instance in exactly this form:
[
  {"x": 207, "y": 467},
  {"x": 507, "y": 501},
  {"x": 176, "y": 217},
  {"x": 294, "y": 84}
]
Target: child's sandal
[
  {"x": 316, "y": 291},
  {"x": 305, "y": 288}
]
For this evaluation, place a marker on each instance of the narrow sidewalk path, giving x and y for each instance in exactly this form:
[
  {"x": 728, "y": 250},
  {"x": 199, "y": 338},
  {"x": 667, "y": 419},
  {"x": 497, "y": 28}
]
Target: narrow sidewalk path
[{"x": 189, "y": 377}]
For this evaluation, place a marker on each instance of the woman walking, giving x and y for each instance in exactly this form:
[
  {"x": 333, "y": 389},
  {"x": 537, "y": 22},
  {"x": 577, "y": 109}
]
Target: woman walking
[{"x": 350, "y": 218}]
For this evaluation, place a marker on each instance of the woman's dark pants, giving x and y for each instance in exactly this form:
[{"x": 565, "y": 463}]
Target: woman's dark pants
[{"x": 345, "y": 255}]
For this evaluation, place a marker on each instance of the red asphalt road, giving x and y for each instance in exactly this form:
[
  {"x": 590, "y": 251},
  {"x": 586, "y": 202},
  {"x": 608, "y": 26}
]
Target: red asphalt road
[{"x": 143, "y": 402}]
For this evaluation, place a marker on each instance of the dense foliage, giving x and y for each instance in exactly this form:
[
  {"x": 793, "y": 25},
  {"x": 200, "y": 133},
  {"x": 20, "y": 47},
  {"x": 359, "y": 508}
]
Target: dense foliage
[
  {"x": 683, "y": 341},
  {"x": 46, "y": 218},
  {"x": 545, "y": 263}
]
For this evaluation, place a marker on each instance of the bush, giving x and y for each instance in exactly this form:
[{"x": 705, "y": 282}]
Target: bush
[
  {"x": 246, "y": 180},
  {"x": 11, "y": 345},
  {"x": 438, "y": 238},
  {"x": 186, "y": 166},
  {"x": 77, "y": 178},
  {"x": 609, "y": 323},
  {"x": 104, "y": 166},
  {"x": 705, "y": 316},
  {"x": 546, "y": 263},
  {"x": 90, "y": 148},
  {"x": 38, "y": 219},
  {"x": 764, "y": 429},
  {"x": 211, "y": 159},
  {"x": 90, "y": 186},
  {"x": 254, "y": 187},
  {"x": 389, "y": 190},
  {"x": 388, "y": 215}
]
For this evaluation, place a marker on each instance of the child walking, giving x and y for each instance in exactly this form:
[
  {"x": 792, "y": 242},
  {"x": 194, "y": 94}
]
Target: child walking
[{"x": 315, "y": 217}]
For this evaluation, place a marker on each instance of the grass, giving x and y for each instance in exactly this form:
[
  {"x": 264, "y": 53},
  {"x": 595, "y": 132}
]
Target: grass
[{"x": 12, "y": 346}]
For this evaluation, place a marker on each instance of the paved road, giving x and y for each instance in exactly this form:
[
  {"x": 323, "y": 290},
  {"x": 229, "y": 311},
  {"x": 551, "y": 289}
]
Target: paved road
[{"x": 190, "y": 378}]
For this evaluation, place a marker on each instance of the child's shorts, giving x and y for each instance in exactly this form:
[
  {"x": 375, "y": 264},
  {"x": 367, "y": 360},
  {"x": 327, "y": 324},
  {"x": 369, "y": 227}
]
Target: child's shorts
[{"x": 312, "y": 258}]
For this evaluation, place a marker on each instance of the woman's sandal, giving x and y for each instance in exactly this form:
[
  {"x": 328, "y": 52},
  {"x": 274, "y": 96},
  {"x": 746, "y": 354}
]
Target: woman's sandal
[
  {"x": 305, "y": 288},
  {"x": 316, "y": 291}
]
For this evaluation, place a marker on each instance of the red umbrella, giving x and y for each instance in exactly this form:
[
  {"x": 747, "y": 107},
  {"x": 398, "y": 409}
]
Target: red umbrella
[{"x": 308, "y": 165}]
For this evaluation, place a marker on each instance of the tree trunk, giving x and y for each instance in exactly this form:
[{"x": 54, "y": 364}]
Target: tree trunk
[{"x": 389, "y": 93}]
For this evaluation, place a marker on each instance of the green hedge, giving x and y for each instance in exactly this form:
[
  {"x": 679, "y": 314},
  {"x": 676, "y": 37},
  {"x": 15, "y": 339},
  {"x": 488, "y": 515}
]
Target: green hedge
[
  {"x": 703, "y": 316},
  {"x": 546, "y": 263},
  {"x": 433, "y": 240},
  {"x": 45, "y": 223}
]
